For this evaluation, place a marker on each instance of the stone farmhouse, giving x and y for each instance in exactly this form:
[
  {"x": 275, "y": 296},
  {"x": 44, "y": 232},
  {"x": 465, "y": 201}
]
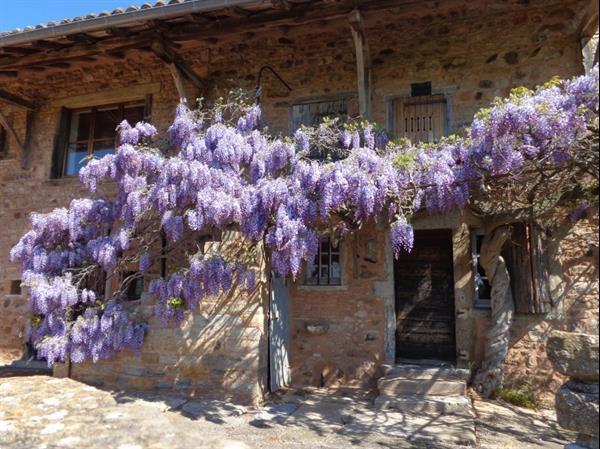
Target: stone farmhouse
[{"x": 420, "y": 68}]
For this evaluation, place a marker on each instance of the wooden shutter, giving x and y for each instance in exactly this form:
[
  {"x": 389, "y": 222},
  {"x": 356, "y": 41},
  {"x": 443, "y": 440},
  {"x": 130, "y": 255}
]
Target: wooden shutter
[
  {"x": 60, "y": 143},
  {"x": 420, "y": 119},
  {"x": 526, "y": 260},
  {"x": 311, "y": 114}
]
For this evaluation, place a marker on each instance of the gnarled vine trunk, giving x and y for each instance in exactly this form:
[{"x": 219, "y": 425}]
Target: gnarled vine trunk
[{"x": 491, "y": 375}]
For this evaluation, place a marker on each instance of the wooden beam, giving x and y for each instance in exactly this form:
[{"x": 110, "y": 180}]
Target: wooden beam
[
  {"x": 16, "y": 100},
  {"x": 77, "y": 51},
  {"x": 363, "y": 63},
  {"x": 178, "y": 79},
  {"x": 31, "y": 118},
  {"x": 18, "y": 50},
  {"x": 7, "y": 126},
  {"x": 281, "y": 4},
  {"x": 163, "y": 50}
]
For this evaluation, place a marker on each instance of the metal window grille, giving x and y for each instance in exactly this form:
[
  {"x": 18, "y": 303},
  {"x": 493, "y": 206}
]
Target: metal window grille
[{"x": 325, "y": 269}]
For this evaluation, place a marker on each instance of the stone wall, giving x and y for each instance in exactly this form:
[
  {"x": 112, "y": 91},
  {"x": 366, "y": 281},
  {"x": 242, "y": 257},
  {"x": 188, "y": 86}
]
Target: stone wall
[
  {"x": 457, "y": 48},
  {"x": 575, "y": 296},
  {"x": 338, "y": 332}
]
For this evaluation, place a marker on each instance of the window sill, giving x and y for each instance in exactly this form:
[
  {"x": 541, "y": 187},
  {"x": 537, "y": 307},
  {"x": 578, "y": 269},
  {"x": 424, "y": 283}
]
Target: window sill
[
  {"x": 322, "y": 288},
  {"x": 62, "y": 181}
]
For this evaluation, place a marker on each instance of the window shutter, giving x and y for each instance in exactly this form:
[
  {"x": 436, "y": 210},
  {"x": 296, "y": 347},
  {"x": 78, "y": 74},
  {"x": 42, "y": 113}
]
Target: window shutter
[
  {"x": 60, "y": 143},
  {"x": 420, "y": 119},
  {"x": 527, "y": 265},
  {"x": 541, "y": 273}
]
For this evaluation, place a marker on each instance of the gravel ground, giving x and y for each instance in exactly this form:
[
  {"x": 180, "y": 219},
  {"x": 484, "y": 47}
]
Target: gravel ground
[{"x": 49, "y": 413}]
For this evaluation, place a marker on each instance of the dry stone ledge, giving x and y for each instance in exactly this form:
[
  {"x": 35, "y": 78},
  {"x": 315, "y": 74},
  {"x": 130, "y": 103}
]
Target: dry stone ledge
[
  {"x": 575, "y": 355},
  {"x": 577, "y": 407}
]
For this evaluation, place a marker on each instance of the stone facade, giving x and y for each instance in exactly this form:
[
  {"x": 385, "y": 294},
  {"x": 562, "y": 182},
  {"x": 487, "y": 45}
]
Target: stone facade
[{"x": 339, "y": 334}]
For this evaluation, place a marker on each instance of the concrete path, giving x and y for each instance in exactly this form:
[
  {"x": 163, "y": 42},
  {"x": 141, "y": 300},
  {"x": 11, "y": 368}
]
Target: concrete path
[{"x": 42, "y": 412}]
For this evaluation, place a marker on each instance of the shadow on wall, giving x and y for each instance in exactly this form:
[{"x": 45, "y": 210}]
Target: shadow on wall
[
  {"x": 218, "y": 351},
  {"x": 575, "y": 294}
]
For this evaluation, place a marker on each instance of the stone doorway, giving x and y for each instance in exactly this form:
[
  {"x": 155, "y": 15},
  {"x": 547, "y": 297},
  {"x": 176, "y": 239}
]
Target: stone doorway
[{"x": 424, "y": 296}]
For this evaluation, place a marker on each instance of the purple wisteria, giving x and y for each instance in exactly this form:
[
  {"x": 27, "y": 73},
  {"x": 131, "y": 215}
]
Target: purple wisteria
[{"x": 223, "y": 171}]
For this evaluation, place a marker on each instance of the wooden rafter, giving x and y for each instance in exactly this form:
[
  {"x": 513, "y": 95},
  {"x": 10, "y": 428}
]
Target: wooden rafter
[
  {"x": 16, "y": 100},
  {"x": 77, "y": 51}
]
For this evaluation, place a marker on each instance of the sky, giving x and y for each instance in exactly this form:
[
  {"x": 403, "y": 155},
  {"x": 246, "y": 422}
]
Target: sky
[{"x": 20, "y": 13}]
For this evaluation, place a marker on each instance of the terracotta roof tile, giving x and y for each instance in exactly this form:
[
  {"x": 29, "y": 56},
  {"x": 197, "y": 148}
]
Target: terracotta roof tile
[{"x": 116, "y": 11}]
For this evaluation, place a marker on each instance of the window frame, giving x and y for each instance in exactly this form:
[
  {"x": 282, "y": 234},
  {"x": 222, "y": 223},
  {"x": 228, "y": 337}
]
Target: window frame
[
  {"x": 479, "y": 303},
  {"x": 90, "y": 141},
  {"x": 307, "y": 281}
]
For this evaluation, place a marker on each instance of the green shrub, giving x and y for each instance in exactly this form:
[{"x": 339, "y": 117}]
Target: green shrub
[{"x": 522, "y": 397}]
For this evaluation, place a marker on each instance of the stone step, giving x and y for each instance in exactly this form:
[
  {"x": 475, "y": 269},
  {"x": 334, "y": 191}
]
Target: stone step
[
  {"x": 401, "y": 386},
  {"x": 425, "y": 372},
  {"x": 424, "y": 403}
]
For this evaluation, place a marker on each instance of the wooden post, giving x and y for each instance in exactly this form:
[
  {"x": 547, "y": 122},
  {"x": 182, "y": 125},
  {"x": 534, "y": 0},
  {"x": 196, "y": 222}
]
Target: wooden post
[
  {"x": 178, "y": 79},
  {"x": 363, "y": 63},
  {"x": 26, "y": 156}
]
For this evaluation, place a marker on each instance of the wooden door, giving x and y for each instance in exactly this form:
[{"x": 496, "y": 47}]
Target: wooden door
[{"x": 424, "y": 284}]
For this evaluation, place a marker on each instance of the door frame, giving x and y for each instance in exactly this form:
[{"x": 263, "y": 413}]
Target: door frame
[{"x": 464, "y": 289}]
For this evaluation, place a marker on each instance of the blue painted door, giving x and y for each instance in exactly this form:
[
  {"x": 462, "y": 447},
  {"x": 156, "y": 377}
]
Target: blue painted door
[{"x": 279, "y": 334}]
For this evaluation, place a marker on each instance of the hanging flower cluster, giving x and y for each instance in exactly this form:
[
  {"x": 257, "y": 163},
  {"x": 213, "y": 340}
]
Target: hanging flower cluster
[{"x": 224, "y": 171}]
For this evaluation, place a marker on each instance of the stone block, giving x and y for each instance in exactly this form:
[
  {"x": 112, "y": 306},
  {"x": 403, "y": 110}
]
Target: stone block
[
  {"x": 574, "y": 355},
  {"x": 577, "y": 407}
]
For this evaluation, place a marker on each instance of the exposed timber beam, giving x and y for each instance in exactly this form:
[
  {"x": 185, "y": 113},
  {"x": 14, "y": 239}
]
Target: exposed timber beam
[
  {"x": 76, "y": 51},
  {"x": 31, "y": 118},
  {"x": 178, "y": 80},
  {"x": 164, "y": 51},
  {"x": 16, "y": 100},
  {"x": 363, "y": 63},
  {"x": 7, "y": 126},
  {"x": 281, "y": 4}
]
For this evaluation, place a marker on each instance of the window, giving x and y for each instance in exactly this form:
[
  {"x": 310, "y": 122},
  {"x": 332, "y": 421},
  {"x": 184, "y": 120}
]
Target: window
[
  {"x": 420, "y": 118},
  {"x": 135, "y": 287},
  {"x": 483, "y": 289},
  {"x": 3, "y": 144},
  {"x": 92, "y": 132},
  {"x": 311, "y": 114},
  {"x": 326, "y": 268}
]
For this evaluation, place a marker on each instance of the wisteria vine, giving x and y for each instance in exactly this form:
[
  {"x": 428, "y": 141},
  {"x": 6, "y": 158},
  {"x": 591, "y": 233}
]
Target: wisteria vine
[{"x": 223, "y": 170}]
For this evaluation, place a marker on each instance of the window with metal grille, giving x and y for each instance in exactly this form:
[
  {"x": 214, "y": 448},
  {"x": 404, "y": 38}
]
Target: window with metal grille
[
  {"x": 420, "y": 119},
  {"x": 311, "y": 114},
  {"x": 93, "y": 132},
  {"x": 326, "y": 268}
]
